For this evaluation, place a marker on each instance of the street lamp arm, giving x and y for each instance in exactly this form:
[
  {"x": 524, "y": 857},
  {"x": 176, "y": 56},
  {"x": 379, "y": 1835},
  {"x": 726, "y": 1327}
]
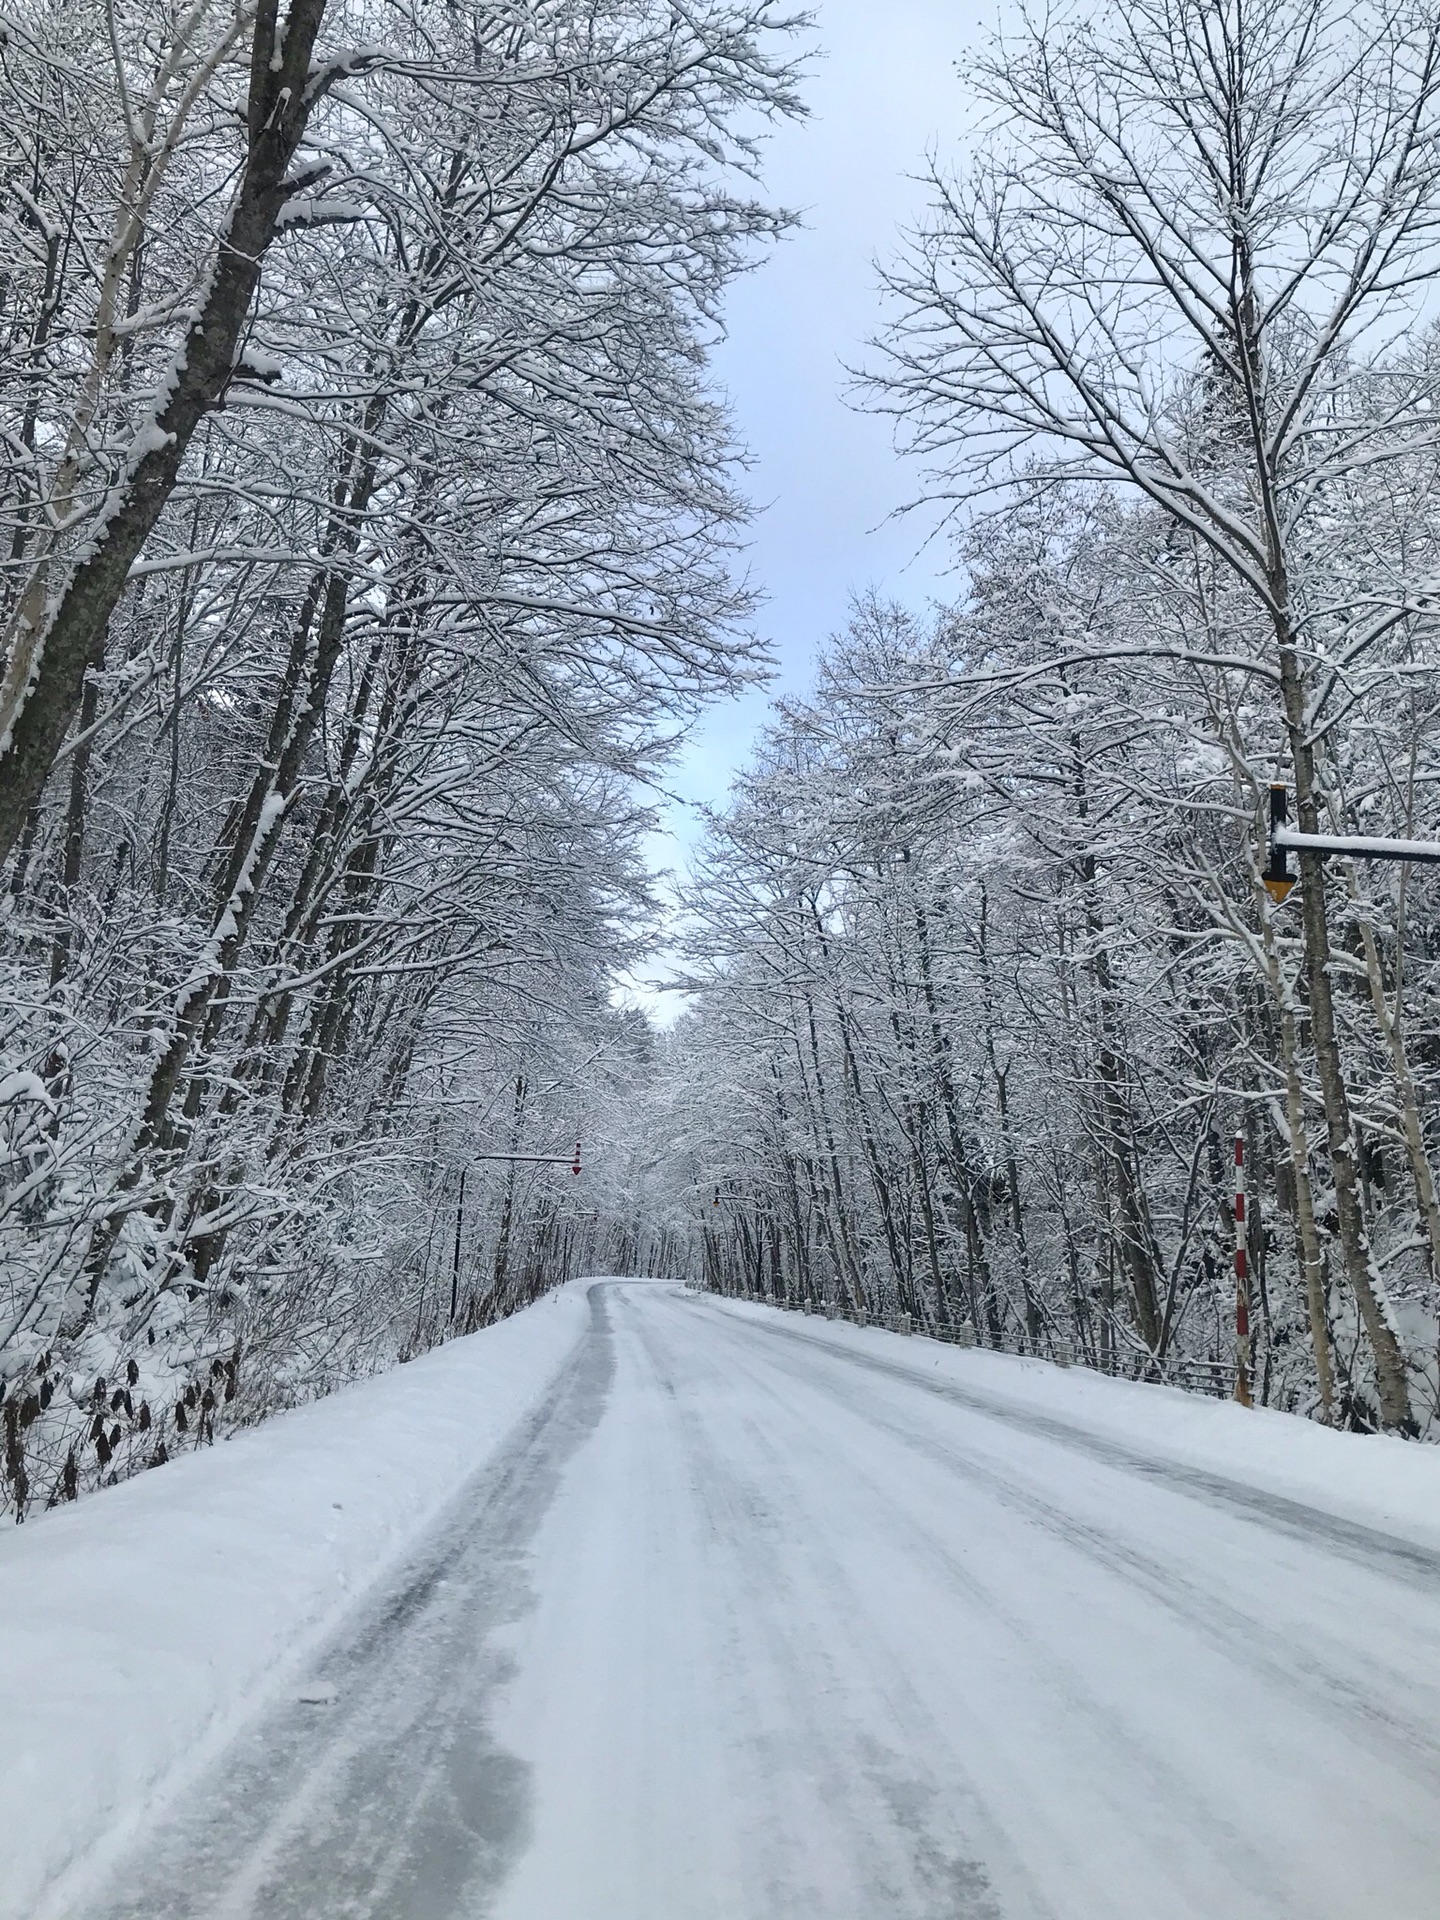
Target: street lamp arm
[
  {"x": 530, "y": 1159},
  {"x": 1279, "y": 880},
  {"x": 1359, "y": 846},
  {"x": 537, "y": 1159}
]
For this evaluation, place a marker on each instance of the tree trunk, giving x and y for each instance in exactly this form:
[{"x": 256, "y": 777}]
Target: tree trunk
[
  {"x": 1391, "y": 1384},
  {"x": 74, "y": 858},
  {"x": 1406, "y": 1095},
  {"x": 46, "y": 672}
]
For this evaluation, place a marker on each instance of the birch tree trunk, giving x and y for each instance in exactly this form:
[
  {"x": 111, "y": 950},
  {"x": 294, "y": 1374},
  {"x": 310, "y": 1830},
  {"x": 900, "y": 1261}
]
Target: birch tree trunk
[{"x": 1390, "y": 1376}]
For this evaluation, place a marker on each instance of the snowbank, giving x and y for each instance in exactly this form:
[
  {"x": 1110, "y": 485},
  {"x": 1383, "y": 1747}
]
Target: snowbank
[
  {"x": 1371, "y": 1480},
  {"x": 137, "y": 1628}
]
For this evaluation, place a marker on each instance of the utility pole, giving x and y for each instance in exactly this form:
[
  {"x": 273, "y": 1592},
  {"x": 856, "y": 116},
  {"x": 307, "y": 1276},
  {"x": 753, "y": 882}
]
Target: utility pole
[
  {"x": 515, "y": 1159},
  {"x": 455, "y": 1266},
  {"x": 1242, "y": 1284},
  {"x": 1279, "y": 882}
]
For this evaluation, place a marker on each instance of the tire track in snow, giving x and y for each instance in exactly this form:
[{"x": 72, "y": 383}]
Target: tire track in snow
[
  {"x": 1275, "y": 1512},
  {"x": 1124, "y": 1750},
  {"x": 1242, "y": 1635},
  {"x": 808, "y": 1626},
  {"x": 1355, "y": 1706},
  {"x": 392, "y": 1803}
]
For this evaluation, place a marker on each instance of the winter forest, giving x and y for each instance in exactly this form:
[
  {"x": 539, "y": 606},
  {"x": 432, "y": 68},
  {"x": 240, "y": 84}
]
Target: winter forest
[{"x": 371, "y": 531}]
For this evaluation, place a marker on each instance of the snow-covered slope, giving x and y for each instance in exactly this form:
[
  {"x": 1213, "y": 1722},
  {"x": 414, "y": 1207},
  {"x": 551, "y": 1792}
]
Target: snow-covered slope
[{"x": 137, "y": 1627}]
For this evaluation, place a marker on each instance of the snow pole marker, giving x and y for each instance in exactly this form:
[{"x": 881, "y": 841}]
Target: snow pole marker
[{"x": 1242, "y": 1284}]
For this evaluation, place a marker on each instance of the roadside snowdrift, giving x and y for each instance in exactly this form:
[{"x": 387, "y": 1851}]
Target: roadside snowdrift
[{"x": 139, "y": 1626}]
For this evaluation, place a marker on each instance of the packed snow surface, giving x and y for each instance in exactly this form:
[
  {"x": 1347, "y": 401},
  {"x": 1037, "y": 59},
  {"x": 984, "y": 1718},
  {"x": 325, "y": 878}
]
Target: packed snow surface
[
  {"x": 652, "y": 1607},
  {"x": 138, "y": 1628}
]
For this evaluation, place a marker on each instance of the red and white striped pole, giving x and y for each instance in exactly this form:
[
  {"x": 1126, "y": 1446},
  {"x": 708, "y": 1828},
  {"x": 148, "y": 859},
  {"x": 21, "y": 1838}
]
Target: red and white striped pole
[{"x": 1242, "y": 1284}]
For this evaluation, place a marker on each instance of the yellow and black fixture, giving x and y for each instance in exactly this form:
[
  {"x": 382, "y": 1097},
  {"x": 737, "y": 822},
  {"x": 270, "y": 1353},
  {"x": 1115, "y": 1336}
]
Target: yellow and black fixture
[
  {"x": 1284, "y": 839},
  {"x": 1277, "y": 876}
]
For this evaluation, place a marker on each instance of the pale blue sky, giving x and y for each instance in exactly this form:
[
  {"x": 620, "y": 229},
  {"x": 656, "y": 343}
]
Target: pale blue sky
[{"x": 883, "y": 91}]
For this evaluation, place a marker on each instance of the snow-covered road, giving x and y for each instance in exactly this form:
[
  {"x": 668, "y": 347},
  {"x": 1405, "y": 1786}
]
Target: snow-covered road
[{"x": 748, "y": 1623}]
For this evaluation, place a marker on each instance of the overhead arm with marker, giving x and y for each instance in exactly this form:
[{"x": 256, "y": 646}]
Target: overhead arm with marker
[
  {"x": 1277, "y": 876},
  {"x": 537, "y": 1159}
]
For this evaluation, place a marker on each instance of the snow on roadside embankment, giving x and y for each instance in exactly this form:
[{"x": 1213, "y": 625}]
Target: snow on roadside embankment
[
  {"x": 1370, "y": 1480},
  {"x": 138, "y": 1627}
]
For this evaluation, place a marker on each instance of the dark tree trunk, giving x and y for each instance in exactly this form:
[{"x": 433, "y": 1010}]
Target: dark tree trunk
[{"x": 47, "y": 696}]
